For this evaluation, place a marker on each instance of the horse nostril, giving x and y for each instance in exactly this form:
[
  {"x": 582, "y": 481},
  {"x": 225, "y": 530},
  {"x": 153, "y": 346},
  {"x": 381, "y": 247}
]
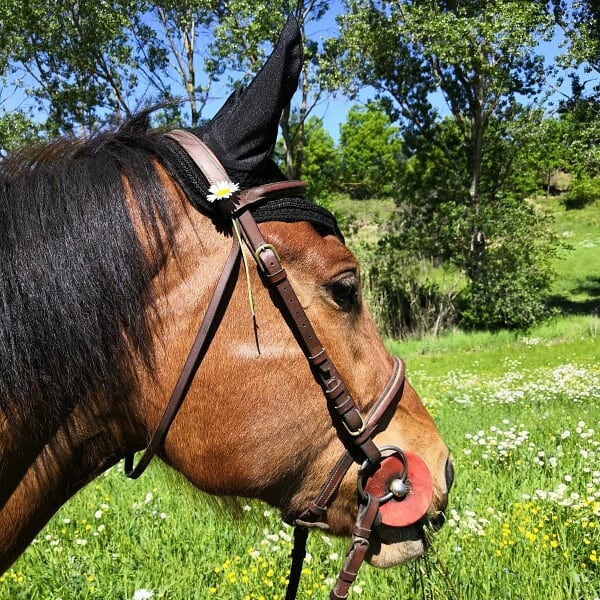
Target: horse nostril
[{"x": 449, "y": 474}]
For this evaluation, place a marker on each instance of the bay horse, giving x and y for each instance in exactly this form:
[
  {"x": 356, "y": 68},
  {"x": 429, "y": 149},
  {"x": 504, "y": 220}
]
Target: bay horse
[{"x": 111, "y": 257}]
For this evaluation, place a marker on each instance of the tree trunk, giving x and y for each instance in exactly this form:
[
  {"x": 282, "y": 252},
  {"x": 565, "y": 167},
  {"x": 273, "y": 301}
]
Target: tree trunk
[
  {"x": 288, "y": 146},
  {"x": 300, "y": 133},
  {"x": 189, "y": 41},
  {"x": 478, "y": 241}
]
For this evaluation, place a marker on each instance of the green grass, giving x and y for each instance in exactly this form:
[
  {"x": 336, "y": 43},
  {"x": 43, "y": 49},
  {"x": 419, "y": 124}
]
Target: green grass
[{"x": 577, "y": 286}]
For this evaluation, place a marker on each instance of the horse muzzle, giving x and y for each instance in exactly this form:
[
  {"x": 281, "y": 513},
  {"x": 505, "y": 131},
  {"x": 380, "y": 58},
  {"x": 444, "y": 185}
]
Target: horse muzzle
[{"x": 399, "y": 533}]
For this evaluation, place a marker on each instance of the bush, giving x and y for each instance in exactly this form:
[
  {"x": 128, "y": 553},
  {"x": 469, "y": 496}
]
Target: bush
[
  {"x": 321, "y": 164},
  {"x": 404, "y": 297},
  {"x": 585, "y": 190},
  {"x": 371, "y": 153},
  {"x": 511, "y": 284}
]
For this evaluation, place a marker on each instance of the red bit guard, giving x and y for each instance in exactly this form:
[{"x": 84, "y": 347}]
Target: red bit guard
[{"x": 401, "y": 512}]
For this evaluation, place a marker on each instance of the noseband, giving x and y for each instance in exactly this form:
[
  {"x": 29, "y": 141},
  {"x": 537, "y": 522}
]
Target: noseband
[{"x": 384, "y": 476}]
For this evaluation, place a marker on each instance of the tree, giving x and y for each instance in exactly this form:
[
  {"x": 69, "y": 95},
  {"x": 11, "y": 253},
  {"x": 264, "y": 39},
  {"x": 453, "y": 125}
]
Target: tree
[
  {"x": 580, "y": 22},
  {"x": 371, "y": 152},
  {"x": 321, "y": 165},
  {"x": 479, "y": 57},
  {"x": 15, "y": 131},
  {"x": 75, "y": 58},
  {"x": 173, "y": 49},
  {"x": 86, "y": 62}
]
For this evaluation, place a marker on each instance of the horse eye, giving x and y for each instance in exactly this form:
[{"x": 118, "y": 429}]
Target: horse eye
[{"x": 344, "y": 290}]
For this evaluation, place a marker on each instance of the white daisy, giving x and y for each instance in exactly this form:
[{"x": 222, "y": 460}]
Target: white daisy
[{"x": 221, "y": 190}]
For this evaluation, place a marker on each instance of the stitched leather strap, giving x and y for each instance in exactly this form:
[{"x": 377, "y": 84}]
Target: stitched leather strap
[
  {"x": 338, "y": 396},
  {"x": 316, "y": 513},
  {"x": 275, "y": 277},
  {"x": 207, "y": 162},
  {"x": 358, "y": 549}
]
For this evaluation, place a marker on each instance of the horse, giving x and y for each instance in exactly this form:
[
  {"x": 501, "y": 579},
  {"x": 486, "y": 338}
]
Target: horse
[{"x": 111, "y": 256}]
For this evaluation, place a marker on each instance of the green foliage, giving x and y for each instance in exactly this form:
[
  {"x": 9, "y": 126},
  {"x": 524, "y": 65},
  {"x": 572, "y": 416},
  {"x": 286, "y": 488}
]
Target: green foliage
[
  {"x": 580, "y": 119},
  {"x": 86, "y": 63},
  {"x": 15, "y": 131},
  {"x": 534, "y": 151},
  {"x": 404, "y": 295},
  {"x": 516, "y": 274},
  {"x": 77, "y": 56},
  {"x": 434, "y": 221},
  {"x": 477, "y": 55},
  {"x": 321, "y": 162},
  {"x": 371, "y": 152},
  {"x": 459, "y": 183},
  {"x": 580, "y": 22},
  {"x": 585, "y": 190}
]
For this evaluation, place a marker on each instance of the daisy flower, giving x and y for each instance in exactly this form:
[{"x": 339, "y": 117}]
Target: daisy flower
[{"x": 221, "y": 190}]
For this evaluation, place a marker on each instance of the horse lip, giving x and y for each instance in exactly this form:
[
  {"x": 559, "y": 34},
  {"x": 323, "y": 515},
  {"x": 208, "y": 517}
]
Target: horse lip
[
  {"x": 417, "y": 532},
  {"x": 391, "y": 546},
  {"x": 394, "y": 535}
]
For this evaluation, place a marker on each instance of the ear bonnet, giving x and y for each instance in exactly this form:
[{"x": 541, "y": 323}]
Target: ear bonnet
[{"x": 243, "y": 134}]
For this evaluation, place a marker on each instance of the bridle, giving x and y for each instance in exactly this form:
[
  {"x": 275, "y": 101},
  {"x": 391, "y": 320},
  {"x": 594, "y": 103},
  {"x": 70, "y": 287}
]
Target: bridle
[{"x": 385, "y": 479}]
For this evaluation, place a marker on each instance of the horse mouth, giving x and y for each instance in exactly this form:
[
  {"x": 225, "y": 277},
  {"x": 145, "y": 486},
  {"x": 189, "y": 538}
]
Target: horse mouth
[{"x": 392, "y": 546}]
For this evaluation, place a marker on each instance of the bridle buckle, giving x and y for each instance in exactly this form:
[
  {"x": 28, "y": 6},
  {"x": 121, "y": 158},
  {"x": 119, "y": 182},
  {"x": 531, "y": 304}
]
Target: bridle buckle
[
  {"x": 257, "y": 255},
  {"x": 356, "y": 432}
]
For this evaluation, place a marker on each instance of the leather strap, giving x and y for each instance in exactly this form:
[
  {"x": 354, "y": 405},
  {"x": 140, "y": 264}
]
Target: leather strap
[
  {"x": 316, "y": 513},
  {"x": 275, "y": 276},
  {"x": 339, "y": 399},
  {"x": 212, "y": 318},
  {"x": 367, "y": 514},
  {"x": 206, "y": 160}
]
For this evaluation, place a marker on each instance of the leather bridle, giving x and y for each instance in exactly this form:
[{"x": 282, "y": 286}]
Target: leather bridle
[{"x": 355, "y": 431}]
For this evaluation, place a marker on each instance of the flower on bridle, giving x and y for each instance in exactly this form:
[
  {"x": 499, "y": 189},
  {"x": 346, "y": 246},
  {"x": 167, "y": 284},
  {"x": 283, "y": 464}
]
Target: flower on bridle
[{"x": 222, "y": 190}]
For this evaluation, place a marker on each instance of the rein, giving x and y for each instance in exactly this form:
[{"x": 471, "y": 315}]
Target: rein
[{"x": 383, "y": 479}]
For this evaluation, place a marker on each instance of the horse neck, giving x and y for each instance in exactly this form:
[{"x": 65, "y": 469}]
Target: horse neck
[
  {"x": 39, "y": 474},
  {"x": 87, "y": 443}
]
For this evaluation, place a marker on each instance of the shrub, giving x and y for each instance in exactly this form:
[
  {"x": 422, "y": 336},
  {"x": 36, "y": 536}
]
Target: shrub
[
  {"x": 371, "y": 153},
  {"x": 403, "y": 295},
  {"x": 585, "y": 190}
]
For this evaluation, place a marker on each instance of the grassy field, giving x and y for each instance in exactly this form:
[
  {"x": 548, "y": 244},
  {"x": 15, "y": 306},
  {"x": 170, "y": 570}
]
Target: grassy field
[
  {"x": 521, "y": 413},
  {"x": 577, "y": 286}
]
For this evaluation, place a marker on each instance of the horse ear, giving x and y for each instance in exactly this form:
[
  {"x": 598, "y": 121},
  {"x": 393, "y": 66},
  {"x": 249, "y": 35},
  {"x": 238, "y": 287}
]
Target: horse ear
[{"x": 244, "y": 131}]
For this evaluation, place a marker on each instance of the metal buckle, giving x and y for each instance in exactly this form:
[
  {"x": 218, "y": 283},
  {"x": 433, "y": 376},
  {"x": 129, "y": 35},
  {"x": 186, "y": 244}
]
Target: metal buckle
[
  {"x": 262, "y": 248},
  {"x": 356, "y": 432}
]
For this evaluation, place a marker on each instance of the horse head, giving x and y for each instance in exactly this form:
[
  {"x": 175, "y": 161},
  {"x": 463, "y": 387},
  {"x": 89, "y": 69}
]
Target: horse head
[
  {"x": 290, "y": 395},
  {"x": 286, "y": 438}
]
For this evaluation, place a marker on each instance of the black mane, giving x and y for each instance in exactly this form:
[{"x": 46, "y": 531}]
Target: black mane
[{"x": 74, "y": 289}]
